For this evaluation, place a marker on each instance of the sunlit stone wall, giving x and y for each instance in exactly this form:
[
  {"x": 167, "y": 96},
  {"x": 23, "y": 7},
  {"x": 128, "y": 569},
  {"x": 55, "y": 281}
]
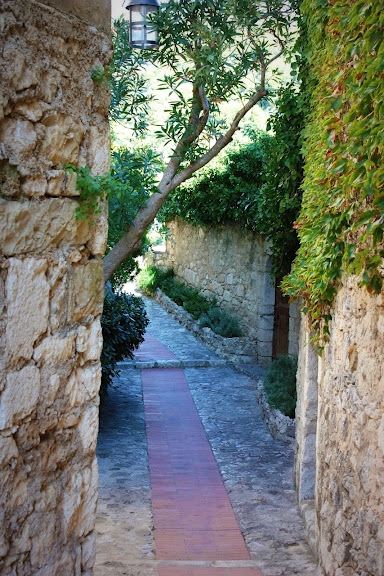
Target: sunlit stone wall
[
  {"x": 344, "y": 449},
  {"x": 51, "y": 289},
  {"x": 232, "y": 265}
]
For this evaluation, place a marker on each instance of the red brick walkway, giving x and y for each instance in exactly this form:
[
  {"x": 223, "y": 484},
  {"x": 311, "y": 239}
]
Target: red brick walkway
[{"x": 193, "y": 517}]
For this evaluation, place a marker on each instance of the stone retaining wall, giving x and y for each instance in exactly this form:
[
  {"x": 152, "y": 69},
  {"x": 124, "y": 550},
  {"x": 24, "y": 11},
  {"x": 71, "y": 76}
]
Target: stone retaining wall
[
  {"x": 51, "y": 287},
  {"x": 239, "y": 349},
  {"x": 232, "y": 265},
  {"x": 343, "y": 439}
]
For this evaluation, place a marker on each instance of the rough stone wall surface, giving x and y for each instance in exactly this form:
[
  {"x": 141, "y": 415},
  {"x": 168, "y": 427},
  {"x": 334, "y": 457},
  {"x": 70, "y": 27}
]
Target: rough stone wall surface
[
  {"x": 231, "y": 265},
  {"x": 294, "y": 328},
  {"x": 51, "y": 289},
  {"x": 350, "y": 437},
  {"x": 306, "y": 416},
  {"x": 306, "y": 431}
]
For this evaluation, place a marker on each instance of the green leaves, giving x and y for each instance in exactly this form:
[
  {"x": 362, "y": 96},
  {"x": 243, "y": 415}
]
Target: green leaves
[
  {"x": 256, "y": 186},
  {"x": 220, "y": 46},
  {"x": 93, "y": 191},
  {"x": 341, "y": 221}
]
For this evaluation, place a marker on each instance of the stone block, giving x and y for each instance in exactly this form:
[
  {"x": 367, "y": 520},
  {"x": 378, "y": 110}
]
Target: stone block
[
  {"x": 88, "y": 428},
  {"x": 38, "y": 226},
  {"x": 52, "y": 389},
  {"x": 72, "y": 495},
  {"x": 48, "y": 87},
  {"x": 62, "y": 183},
  {"x": 264, "y": 322},
  {"x": 20, "y": 396},
  {"x": 264, "y": 349},
  {"x": 27, "y": 293},
  {"x": 90, "y": 341},
  {"x": 34, "y": 186},
  {"x": 98, "y": 149},
  {"x": 89, "y": 499},
  {"x": 8, "y": 450},
  {"x": 88, "y": 552},
  {"x": 32, "y": 111},
  {"x": 55, "y": 349},
  {"x": 43, "y": 541},
  {"x": 380, "y": 436},
  {"x": 86, "y": 290},
  {"x": 83, "y": 385},
  {"x": 62, "y": 140},
  {"x": 264, "y": 336},
  {"x": 23, "y": 74},
  {"x": 19, "y": 138},
  {"x": 97, "y": 243},
  {"x": 21, "y": 543}
]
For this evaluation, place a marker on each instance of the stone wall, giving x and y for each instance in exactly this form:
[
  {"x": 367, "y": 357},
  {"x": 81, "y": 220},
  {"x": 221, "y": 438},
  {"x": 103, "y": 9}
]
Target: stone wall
[
  {"x": 349, "y": 464},
  {"x": 51, "y": 289},
  {"x": 232, "y": 265}
]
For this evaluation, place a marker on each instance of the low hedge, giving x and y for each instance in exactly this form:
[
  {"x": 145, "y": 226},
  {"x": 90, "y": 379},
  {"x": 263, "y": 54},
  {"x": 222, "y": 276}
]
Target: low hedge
[{"x": 205, "y": 310}]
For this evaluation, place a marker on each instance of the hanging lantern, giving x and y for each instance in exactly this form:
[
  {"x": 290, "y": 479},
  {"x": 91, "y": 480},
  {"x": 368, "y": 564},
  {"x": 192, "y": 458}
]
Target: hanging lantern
[{"x": 142, "y": 32}]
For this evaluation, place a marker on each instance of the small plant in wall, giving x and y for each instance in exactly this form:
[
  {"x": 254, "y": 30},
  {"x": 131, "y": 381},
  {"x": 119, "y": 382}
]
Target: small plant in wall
[
  {"x": 93, "y": 192},
  {"x": 99, "y": 75}
]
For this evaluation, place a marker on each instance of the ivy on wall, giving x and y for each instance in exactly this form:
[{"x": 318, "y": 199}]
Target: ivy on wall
[{"x": 341, "y": 221}]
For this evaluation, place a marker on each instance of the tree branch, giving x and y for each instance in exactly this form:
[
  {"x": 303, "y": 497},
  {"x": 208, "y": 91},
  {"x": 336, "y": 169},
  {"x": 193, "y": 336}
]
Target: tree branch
[
  {"x": 170, "y": 180},
  {"x": 221, "y": 143}
]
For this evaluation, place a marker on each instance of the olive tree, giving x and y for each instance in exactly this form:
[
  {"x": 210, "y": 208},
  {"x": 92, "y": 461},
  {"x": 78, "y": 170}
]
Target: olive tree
[{"x": 212, "y": 51}]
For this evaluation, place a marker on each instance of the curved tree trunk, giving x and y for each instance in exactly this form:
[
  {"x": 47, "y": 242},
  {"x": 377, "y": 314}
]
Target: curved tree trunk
[{"x": 170, "y": 180}]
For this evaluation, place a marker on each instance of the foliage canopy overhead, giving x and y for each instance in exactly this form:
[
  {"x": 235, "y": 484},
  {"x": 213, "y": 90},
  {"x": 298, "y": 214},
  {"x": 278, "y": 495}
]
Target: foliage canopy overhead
[{"x": 210, "y": 51}]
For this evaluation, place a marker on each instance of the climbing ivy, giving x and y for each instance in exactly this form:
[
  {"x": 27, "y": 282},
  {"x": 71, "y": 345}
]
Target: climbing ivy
[{"x": 341, "y": 221}]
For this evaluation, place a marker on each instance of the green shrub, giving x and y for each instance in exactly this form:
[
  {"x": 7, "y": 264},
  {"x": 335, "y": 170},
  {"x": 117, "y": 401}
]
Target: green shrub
[
  {"x": 256, "y": 185},
  {"x": 280, "y": 385},
  {"x": 221, "y": 323},
  {"x": 190, "y": 298},
  {"x": 123, "y": 324},
  {"x": 152, "y": 277},
  {"x": 203, "y": 309}
]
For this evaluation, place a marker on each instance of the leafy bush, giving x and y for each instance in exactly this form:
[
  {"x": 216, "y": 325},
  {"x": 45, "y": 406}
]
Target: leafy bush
[
  {"x": 220, "y": 322},
  {"x": 190, "y": 299},
  {"x": 280, "y": 385},
  {"x": 152, "y": 277},
  {"x": 123, "y": 324},
  {"x": 255, "y": 185},
  {"x": 341, "y": 221}
]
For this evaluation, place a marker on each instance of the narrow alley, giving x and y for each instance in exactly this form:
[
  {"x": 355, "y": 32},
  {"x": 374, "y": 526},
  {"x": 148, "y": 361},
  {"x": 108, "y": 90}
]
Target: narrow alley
[{"x": 191, "y": 482}]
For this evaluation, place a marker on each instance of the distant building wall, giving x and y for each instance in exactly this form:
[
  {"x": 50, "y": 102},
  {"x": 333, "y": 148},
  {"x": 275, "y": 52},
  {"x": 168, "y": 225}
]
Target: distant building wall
[
  {"x": 232, "y": 265},
  {"x": 51, "y": 288}
]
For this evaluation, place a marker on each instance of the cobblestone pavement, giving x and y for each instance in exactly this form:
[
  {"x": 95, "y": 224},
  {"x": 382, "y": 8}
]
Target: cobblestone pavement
[{"x": 256, "y": 469}]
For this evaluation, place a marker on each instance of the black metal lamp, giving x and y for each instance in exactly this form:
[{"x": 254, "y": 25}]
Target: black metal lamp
[{"x": 142, "y": 32}]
